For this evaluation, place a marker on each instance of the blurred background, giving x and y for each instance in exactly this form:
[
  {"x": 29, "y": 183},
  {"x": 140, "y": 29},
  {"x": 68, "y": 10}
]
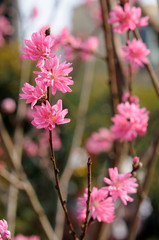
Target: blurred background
[{"x": 89, "y": 107}]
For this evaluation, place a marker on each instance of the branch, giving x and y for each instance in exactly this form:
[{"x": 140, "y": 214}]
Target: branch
[
  {"x": 110, "y": 54},
  {"x": 57, "y": 186},
  {"x": 89, "y": 163},
  {"x": 149, "y": 68}
]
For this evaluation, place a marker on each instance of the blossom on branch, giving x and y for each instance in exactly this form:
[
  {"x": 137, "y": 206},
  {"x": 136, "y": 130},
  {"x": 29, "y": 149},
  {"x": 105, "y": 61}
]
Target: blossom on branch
[
  {"x": 33, "y": 94},
  {"x": 120, "y": 185},
  {"x": 127, "y": 18},
  {"x": 56, "y": 75},
  {"x": 39, "y": 47},
  {"x": 4, "y": 233},
  {"x": 101, "y": 206},
  {"x": 46, "y": 116},
  {"x": 130, "y": 121},
  {"x": 136, "y": 53}
]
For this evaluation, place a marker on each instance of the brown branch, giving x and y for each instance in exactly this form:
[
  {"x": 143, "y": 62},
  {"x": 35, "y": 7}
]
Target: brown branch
[
  {"x": 146, "y": 185},
  {"x": 149, "y": 68},
  {"x": 57, "y": 186},
  {"x": 89, "y": 163},
  {"x": 110, "y": 54}
]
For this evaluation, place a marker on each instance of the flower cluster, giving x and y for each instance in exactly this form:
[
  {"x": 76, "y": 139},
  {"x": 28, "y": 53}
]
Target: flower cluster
[
  {"x": 102, "y": 200},
  {"x": 52, "y": 74},
  {"x": 4, "y": 233},
  {"x": 126, "y": 18},
  {"x": 130, "y": 121}
]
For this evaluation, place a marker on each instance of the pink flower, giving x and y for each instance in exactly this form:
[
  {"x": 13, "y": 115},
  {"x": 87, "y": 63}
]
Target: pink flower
[
  {"x": 129, "y": 122},
  {"x": 39, "y": 47},
  {"x": 46, "y": 116},
  {"x": 120, "y": 185},
  {"x": 33, "y": 94},
  {"x": 101, "y": 206},
  {"x": 90, "y": 45},
  {"x": 127, "y": 18},
  {"x": 136, "y": 53},
  {"x": 100, "y": 141},
  {"x": 22, "y": 237},
  {"x": 55, "y": 75},
  {"x": 4, "y": 233},
  {"x": 8, "y": 105},
  {"x": 5, "y": 29}
]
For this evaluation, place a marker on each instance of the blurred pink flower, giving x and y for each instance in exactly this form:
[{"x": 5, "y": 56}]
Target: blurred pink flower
[
  {"x": 46, "y": 116},
  {"x": 101, "y": 206},
  {"x": 22, "y": 237},
  {"x": 127, "y": 18},
  {"x": 39, "y": 47},
  {"x": 100, "y": 141},
  {"x": 90, "y": 45},
  {"x": 8, "y": 105},
  {"x": 5, "y": 29},
  {"x": 130, "y": 121},
  {"x": 33, "y": 94},
  {"x": 56, "y": 75},
  {"x": 30, "y": 147},
  {"x": 4, "y": 233},
  {"x": 136, "y": 53},
  {"x": 34, "y": 12},
  {"x": 120, "y": 185}
]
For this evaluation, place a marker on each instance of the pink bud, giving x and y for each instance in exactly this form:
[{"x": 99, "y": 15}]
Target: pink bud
[
  {"x": 136, "y": 159},
  {"x": 134, "y": 99}
]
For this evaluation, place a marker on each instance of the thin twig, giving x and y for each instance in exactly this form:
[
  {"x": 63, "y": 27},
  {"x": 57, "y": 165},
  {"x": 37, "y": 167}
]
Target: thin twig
[
  {"x": 89, "y": 163},
  {"x": 149, "y": 68},
  {"x": 57, "y": 186}
]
